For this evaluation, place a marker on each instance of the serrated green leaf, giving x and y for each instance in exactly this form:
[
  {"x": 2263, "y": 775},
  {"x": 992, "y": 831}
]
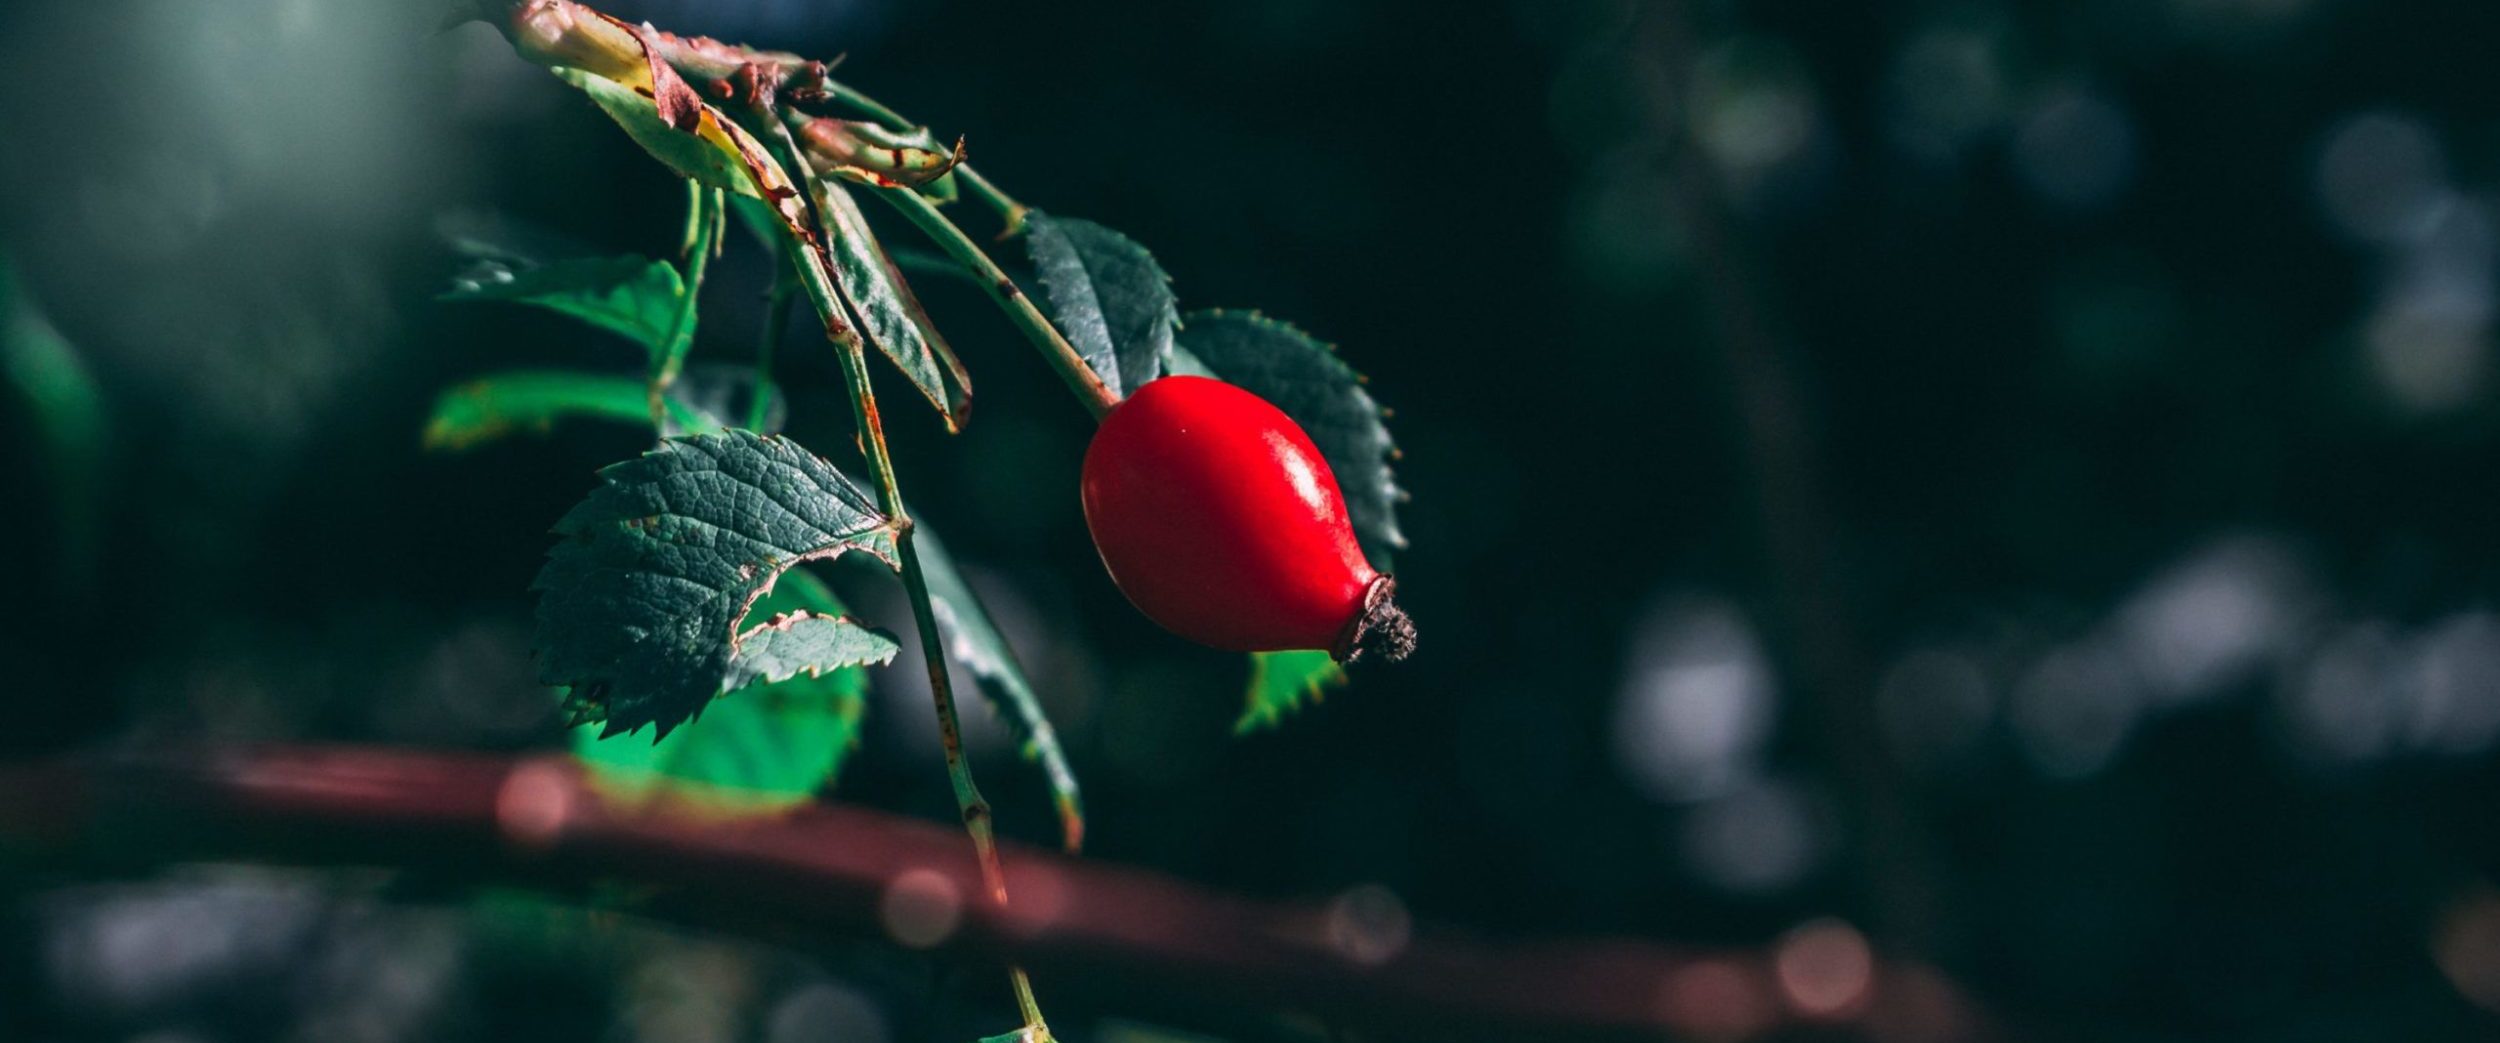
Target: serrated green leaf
[
  {"x": 847, "y": 262},
  {"x": 973, "y": 640},
  {"x": 502, "y": 404},
  {"x": 888, "y": 310},
  {"x": 796, "y": 643},
  {"x": 1304, "y": 377},
  {"x": 1107, "y": 294},
  {"x": 766, "y": 746},
  {"x": 641, "y": 599},
  {"x": 1281, "y": 681},
  {"x": 634, "y": 297}
]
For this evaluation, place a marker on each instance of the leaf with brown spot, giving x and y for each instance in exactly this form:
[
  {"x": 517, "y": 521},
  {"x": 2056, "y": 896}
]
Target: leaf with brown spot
[
  {"x": 708, "y": 149},
  {"x": 888, "y": 309}
]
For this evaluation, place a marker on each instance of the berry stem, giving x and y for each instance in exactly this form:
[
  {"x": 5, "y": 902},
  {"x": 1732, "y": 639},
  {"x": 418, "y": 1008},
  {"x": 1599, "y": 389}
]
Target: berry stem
[{"x": 1020, "y": 309}]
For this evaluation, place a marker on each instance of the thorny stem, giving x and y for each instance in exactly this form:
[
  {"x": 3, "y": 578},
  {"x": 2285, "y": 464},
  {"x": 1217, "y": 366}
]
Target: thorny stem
[
  {"x": 1020, "y": 309},
  {"x": 871, "y": 431},
  {"x": 704, "y": 209},
  {"x": 968, "y": 799}
]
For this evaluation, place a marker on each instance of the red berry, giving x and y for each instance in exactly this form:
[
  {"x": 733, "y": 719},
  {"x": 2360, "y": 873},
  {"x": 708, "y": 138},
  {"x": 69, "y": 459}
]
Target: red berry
[{"x": 1221, "y": 522}]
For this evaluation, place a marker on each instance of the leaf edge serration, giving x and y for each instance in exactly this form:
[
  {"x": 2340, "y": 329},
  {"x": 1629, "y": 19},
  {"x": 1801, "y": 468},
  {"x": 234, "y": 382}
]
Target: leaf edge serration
[{"x": 622, "y": 625}]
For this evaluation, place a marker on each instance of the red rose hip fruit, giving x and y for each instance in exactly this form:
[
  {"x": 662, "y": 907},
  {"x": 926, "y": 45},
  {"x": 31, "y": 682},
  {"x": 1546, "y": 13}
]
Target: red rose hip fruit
[{"x": 1221, "y": 521}]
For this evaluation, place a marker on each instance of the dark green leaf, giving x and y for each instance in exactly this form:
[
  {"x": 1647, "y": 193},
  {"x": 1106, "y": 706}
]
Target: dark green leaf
[
  {"x": 973, "y": 640},
  {"x": 771, "y": 745},
  {"x": 886, "y": 306},
  {"x": 863, "y": 275},
  {"x": 1304, "y": 377},
  {"x": 1107, "y": 294},
  {"x": 635, "y": 297},
  {"x": 494, "y": 406},
  {"x": 1280, "y": 681},
  {"x": 641, "y": 599}
]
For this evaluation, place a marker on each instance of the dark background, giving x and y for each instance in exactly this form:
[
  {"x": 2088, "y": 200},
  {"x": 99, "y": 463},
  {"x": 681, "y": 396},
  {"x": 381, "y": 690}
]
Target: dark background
[{"x": 2008, "y": 478}]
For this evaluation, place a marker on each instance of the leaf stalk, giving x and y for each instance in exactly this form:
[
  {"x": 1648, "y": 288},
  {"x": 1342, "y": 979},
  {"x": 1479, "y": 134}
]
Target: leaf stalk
[{"x": 704, "y": 210}]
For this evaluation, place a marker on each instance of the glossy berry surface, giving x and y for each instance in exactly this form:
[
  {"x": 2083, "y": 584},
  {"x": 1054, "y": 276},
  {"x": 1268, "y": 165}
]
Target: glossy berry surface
[{"x": 1221, "y": 521}]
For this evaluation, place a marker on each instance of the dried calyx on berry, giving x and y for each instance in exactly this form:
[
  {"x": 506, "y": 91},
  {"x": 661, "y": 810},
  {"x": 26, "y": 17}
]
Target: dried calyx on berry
[
  {"x": 1221, "y": 521},
  {"x": 1382, "y": 630}
]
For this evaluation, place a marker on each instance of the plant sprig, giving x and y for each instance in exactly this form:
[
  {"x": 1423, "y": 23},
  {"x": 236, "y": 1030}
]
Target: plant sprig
[{"x": 645, "y": 614}]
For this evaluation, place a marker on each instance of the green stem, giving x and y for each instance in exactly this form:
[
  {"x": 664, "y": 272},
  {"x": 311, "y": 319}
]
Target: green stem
[
  {"x": 776, "y": 326},
  {"x": 871, "y": 431},
  {"x": 968, "y": 799},
  {"x": 704, "y": 208},
  {"x": 692, "y": 233},
  {"x": 1009, "y": 210},
  {"x": 1020, "y": 309}
]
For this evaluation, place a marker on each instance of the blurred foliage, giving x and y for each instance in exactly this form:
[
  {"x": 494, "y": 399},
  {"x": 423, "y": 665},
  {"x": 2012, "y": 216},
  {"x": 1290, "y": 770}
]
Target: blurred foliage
[
  {"x": 53, "y": 390},
  {"x": 2009, "y": 476},
  {"x": 633, "y": 297}
]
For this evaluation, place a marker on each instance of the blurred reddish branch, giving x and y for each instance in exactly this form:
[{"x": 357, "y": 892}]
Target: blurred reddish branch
[{"x": 846, "y": 871}]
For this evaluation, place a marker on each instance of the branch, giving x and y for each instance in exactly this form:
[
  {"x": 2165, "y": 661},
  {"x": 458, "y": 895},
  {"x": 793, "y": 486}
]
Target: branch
[{"x": 823, "y": 872}]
